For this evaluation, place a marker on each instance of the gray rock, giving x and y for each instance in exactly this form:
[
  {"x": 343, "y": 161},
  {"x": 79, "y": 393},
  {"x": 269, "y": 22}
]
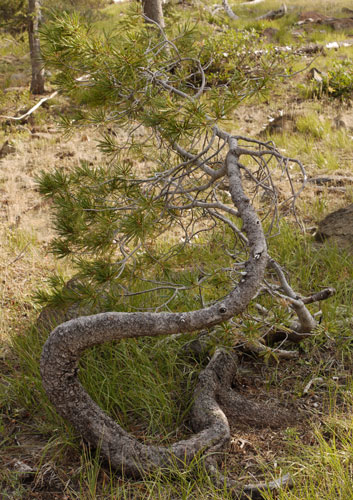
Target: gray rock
[
  {"x": 337, "y": 226},
  {"x": 345, "y": 121},
  {"x": 280, "y": 124}
]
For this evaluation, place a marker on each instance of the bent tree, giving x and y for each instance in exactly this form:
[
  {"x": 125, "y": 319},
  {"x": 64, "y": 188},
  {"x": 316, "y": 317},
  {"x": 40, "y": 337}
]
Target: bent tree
[{"x": 177, "y": 179}]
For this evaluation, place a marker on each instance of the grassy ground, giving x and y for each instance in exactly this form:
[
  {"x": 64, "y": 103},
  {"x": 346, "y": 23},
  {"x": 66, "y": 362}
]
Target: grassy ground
[{"x": 147, "y": 385}]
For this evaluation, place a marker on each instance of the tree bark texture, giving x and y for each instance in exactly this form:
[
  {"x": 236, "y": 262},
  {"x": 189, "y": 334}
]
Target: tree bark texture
[
  {"x": 153, "y": 10},
  {"x": 34, "y": 17},
  {"x": 65, "y": 345}
]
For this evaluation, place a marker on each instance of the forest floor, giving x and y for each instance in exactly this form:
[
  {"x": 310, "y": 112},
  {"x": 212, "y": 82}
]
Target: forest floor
[{"x": 40, "y": 456}]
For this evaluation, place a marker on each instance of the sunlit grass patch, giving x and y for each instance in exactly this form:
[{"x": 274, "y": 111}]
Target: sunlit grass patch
[{"x": 324, "y": 468}]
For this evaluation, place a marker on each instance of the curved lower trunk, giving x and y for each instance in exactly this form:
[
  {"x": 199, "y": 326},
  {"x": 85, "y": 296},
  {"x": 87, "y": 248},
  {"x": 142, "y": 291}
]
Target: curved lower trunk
[{"x": 62, "y": 351}]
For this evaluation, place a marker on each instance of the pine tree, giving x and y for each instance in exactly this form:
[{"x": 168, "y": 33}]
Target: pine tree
[{"x": 165, "y": 224}]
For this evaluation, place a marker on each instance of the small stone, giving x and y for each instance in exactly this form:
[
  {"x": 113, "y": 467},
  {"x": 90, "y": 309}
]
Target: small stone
[
  {"x": 315, "y": 74},
  {"x": 24, "y": 470},
  {"x": 337, "y": 226},
  {"x": 344, "y": 120}
]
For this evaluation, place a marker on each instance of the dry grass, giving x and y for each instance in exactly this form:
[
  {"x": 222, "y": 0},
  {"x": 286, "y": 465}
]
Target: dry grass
[
  {"x": 325, "y": 7},
  {"x": 25, "y": 225}
]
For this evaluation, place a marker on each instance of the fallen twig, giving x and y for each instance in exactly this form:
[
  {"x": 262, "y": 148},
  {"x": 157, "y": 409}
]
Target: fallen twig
[
  {"x": 335, "y": 180},
  {"x": 251, "y": 3},
  {"x": 274, "y": 14},
  {"x": 29, "y": 112},
  {"x": 311, "y": 382},
  {"x": 228, "y": 10}
]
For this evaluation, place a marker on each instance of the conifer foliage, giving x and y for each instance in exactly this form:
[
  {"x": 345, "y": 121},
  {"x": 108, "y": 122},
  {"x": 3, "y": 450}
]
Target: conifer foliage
[{"x": 157, "y": 102}]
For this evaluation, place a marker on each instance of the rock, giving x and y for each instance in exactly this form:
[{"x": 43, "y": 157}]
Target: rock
[
  {"x": 18, "y": 78},
  {"x": 6, "y": 149},
  {"x": 315, "y": 74},
  {"x": 337, "y": 226},
  {"x": 337, "y": 23},
  {"x": 345, "y": 121}
]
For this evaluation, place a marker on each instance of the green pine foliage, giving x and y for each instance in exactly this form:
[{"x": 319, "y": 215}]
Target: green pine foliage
[
  {"x": 118, "y": 222},
  {"x": 13, "y": 15}
]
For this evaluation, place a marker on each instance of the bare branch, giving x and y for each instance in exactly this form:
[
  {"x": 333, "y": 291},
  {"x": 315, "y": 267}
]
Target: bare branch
[{"x": 30, "y": 111}]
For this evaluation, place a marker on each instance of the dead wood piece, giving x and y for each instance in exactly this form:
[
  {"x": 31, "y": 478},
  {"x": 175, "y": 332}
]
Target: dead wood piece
[
  {"x": 312, "y": 17},
  {"x": 30, "y": 111},
  {"x": 347, "y": 10},
  {"x": 334, "y": 180},
  {"x": 316, "y": 380},
  {"x": 228, "y": 10},
  {"x": 250, "y": 3},
  {"x": 250, "y": 491},
  {"x": 312, "y": 48},
  {"x": 337, "y": 23},
  {"x": 274, "y": 14}
]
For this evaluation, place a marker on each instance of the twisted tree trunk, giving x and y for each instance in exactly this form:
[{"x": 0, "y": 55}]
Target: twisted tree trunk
[{"x": 69, "y": 340}]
